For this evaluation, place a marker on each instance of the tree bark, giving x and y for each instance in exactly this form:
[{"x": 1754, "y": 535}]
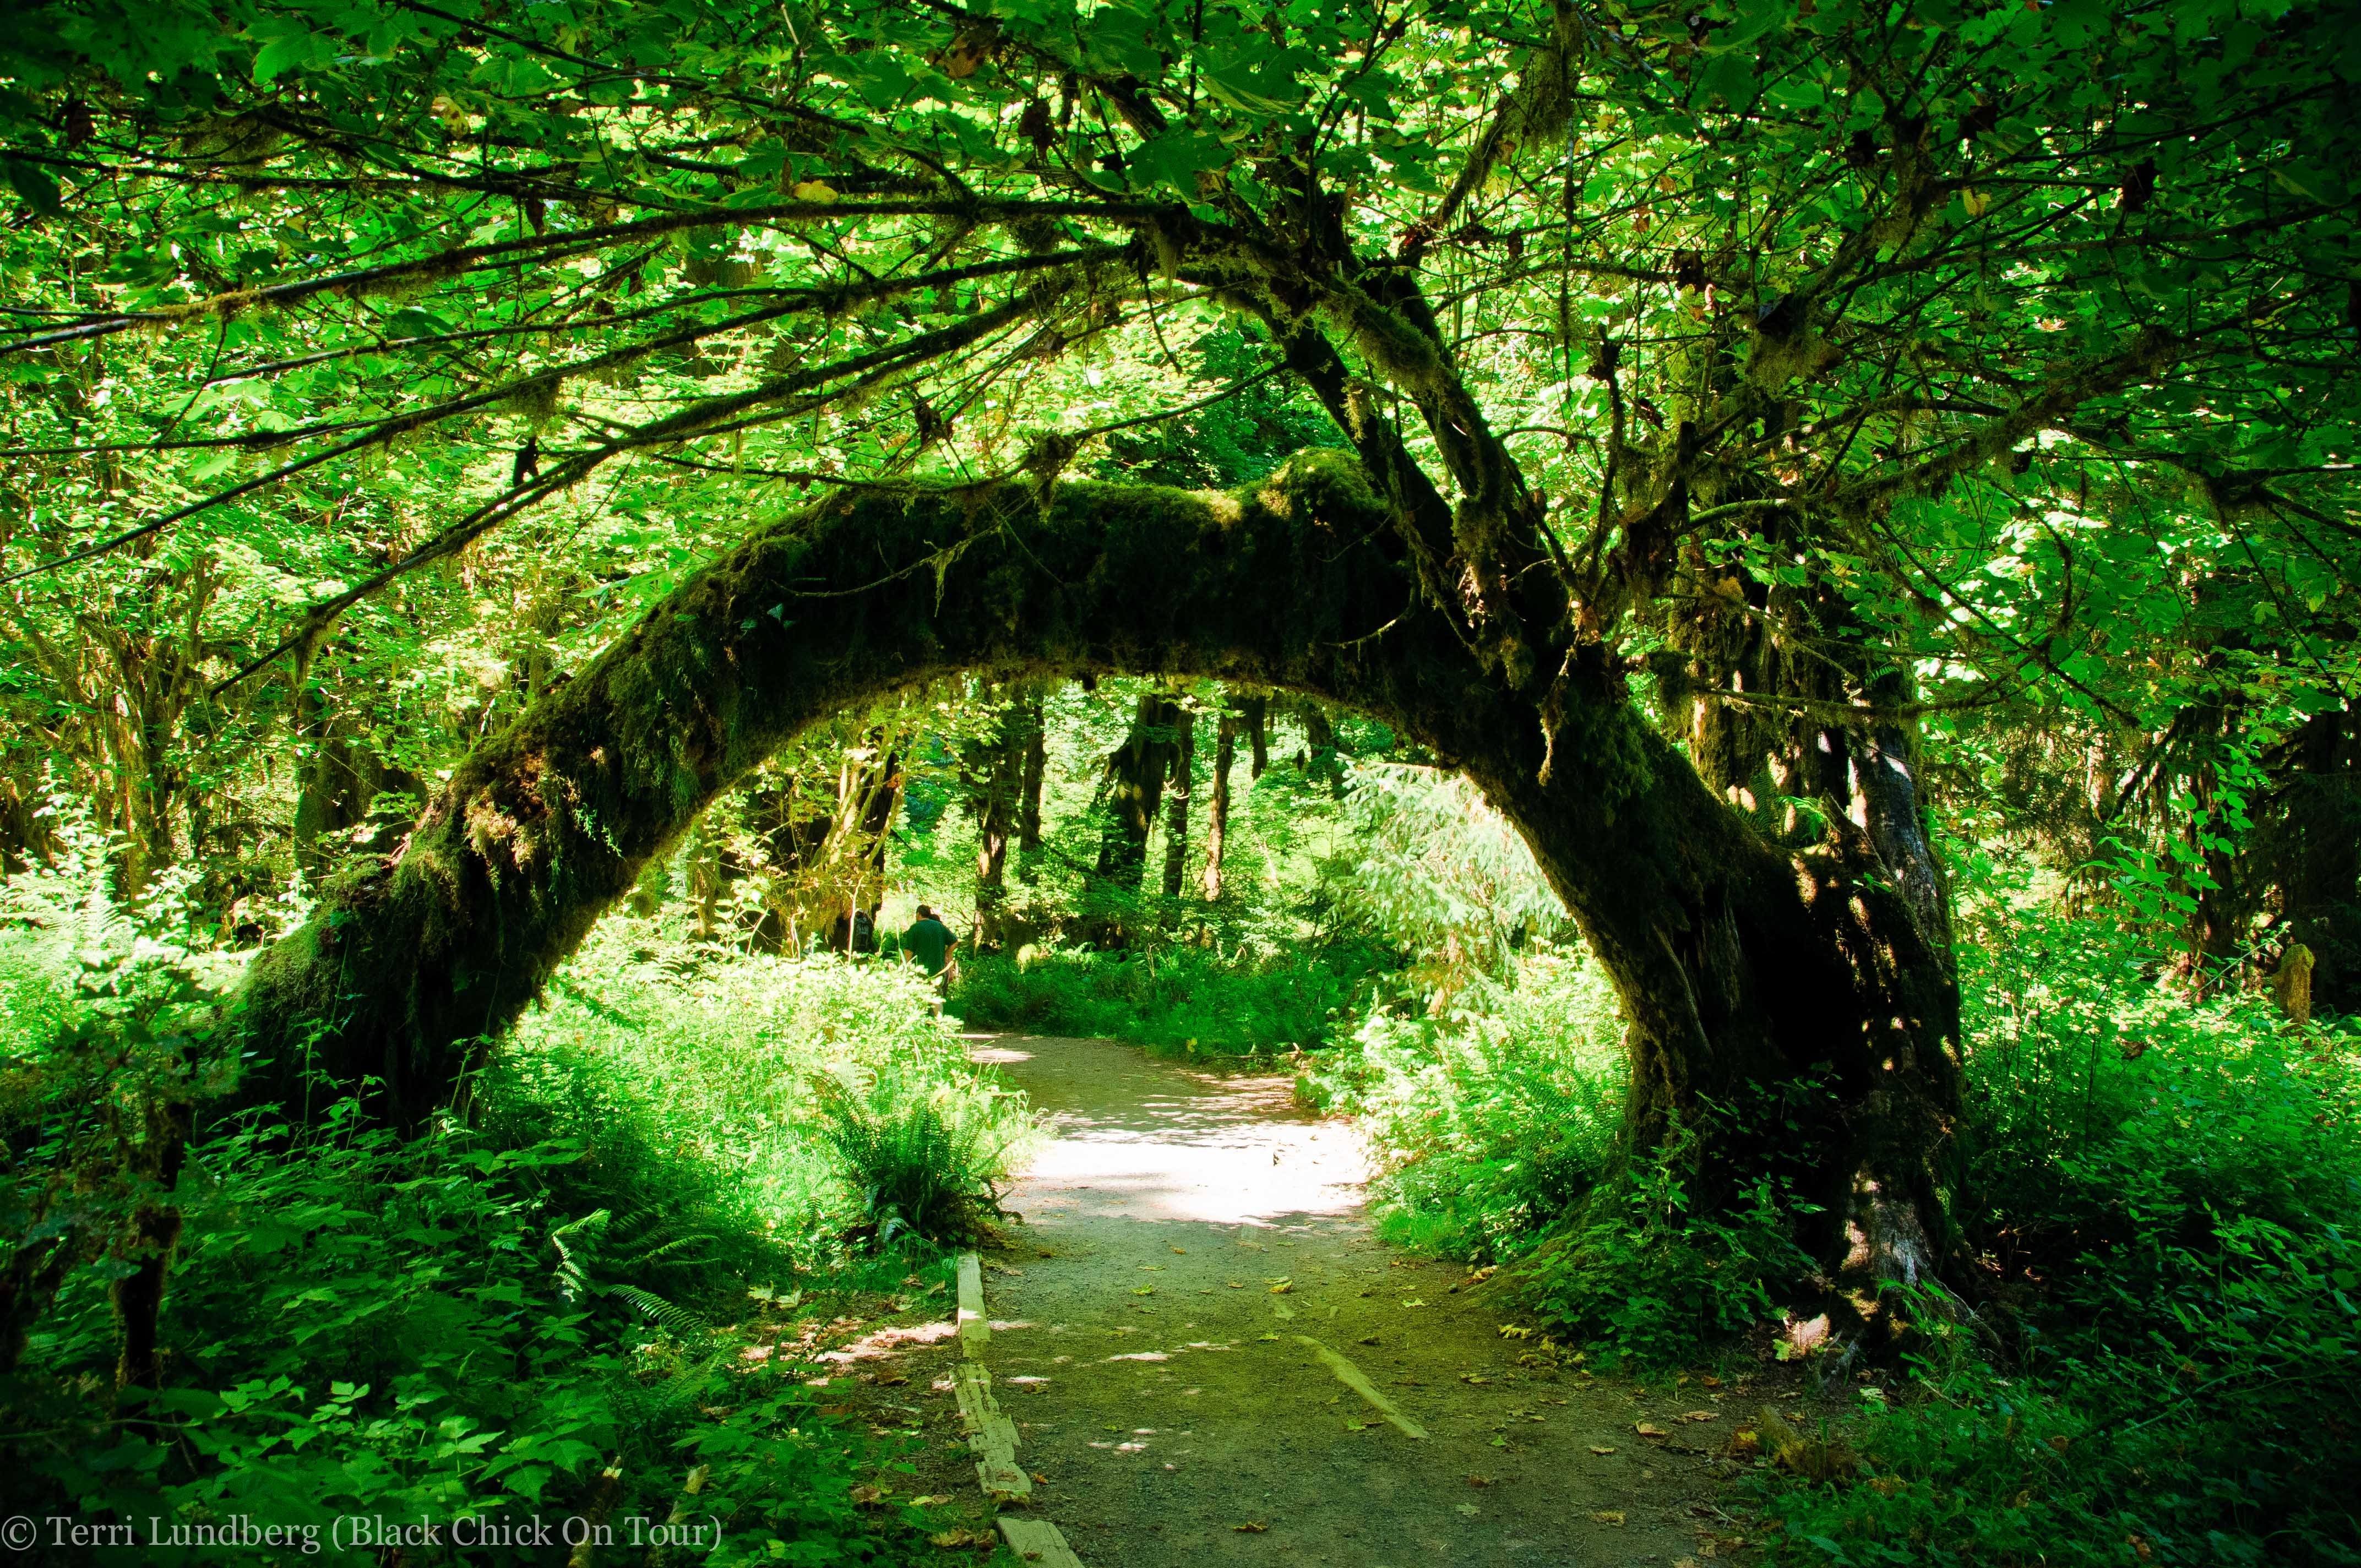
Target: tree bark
[
  {"x": 1742, "y": 967},
  {"x": 1217, "y": 806},
  {"x": 1257, "y": 722}
]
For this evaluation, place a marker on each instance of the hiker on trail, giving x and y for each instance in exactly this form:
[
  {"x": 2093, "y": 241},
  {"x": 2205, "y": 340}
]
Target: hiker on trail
[{"x": 930, "y": 942}]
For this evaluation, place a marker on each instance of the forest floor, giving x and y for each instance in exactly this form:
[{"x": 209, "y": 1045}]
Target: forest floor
[{"x": 1192, "y": 1241}]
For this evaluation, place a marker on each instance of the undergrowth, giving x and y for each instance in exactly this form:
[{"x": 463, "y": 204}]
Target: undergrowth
[
  {"x": 538, "y": 1312},
  {"x": 1185, "y": 1000},
  {"x": 2166, "y": 1197}
]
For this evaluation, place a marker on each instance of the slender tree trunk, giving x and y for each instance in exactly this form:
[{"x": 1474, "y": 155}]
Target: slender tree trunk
[
  {"x": 1745, "y": 968},
  {"x": 1183, "y": 762},
  {"x": 1217, "y": 808},
  {"x": 1036, "y": 766}
]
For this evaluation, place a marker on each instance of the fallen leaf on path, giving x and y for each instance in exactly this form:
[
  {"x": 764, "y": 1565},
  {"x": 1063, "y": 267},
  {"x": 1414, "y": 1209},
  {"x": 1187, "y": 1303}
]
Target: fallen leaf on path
[
  {"x": 1144, "y": 1290},
  {"x": 1648, "y": 1429},
  {"x": 866, "y": 1494},
  {"x": 933, "y": 1502},
  {"x": 891, "y": 1378},
  {"x": 1236, "y": 1284},
  {"x": 955, "y": 1537},
  {"x": 1599, "y": 1448},
  {"x": 1479, "y": 1480},
  {"x": 1356, "y": 1426},
  {"x": 1181, "y": 1250},
  {"x": 1265, "y": 1336},
  {"x": 1702, "y": 1416},
  {"x": 1466, "y": 1510},
  {"x": 1745, "y": 1443},
  {"x": 1473, "y": 1378},
  {"x": 1369, "y": 1339},
  {"x": 1250, "y": 1528},
  {"x": 1153, "y": 1267},
  {"x": 1413, "y": 1301},
  {"x": 1038, "y": 1478},
  {"x": 1500, "y": 1442},
  {"x": 1607, "y": 1515},
  {"x": 1710, "y": 1381},
  {"x": 1281, "y": 1290}
]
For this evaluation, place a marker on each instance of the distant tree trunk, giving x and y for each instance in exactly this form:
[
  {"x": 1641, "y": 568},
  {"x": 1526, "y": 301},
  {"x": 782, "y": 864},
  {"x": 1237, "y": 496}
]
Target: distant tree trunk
[
  {"x": 1135, "y": 791},
  {"x": 1792, "y": 979},
  {"x": 2308, "y": 843},
  {"x": 1036, "y": 765},
  {"x": 1256, "y": 710},
  {"x": 1184, "y": 761},
  {"x": 339, "y": 795},
  {"x": 1217, "y": 808},
  {"x": 993, "y": 774}
]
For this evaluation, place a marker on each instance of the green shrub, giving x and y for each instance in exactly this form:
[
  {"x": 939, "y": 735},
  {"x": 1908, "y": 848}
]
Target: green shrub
[
  {"x": 1643, "y": 1270},
  {"x": 1490, "y": 1120},
  {"x": 732, "y": 1067},
  {"x": 927, "y": 1161}
]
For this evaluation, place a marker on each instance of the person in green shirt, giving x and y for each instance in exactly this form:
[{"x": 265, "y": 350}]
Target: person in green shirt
[{"x": 930, "y": 942}]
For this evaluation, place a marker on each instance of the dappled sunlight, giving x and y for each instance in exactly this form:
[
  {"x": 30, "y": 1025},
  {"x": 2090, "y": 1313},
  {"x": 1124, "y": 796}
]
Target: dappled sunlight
[{"x": 1196, "y": 1146}]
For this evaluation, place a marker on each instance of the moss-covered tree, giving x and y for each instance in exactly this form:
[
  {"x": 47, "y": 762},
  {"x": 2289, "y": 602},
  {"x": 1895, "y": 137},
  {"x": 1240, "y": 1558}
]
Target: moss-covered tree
[{"x": 1798, "y": 357}]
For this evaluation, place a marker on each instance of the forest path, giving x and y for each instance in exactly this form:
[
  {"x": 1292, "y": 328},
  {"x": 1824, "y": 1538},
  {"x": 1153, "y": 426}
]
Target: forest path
[{"x": 1166, "y": 1395}]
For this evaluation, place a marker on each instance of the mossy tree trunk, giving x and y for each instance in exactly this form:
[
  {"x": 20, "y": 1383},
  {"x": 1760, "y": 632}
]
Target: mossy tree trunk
[
  {"x": 1136, "y": 774},
  {"x": 1741, "y": 965}
]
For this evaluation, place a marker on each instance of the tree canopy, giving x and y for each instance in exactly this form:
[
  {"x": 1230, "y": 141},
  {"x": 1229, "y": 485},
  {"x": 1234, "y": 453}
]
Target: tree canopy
[{"x": 2017, "y": 338}]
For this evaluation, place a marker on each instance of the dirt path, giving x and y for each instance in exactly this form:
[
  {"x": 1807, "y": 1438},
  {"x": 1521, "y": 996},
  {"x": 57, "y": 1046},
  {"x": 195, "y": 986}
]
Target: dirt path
[{"x": 1166, "y": 1395}]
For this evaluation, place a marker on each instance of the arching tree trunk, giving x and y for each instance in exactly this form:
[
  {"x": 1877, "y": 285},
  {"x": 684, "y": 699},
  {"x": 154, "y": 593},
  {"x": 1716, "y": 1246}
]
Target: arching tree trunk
[{"x": 1740, "y": 965}]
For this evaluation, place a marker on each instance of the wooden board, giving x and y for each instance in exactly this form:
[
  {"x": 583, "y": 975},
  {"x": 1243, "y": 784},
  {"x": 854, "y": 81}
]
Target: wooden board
[
  {"x": 989, "y": 1434},
  {"x": 1037, "y": 1540},
  {"x": 1352, "y": 1378},
  {"x": 974, "y": 1328}
]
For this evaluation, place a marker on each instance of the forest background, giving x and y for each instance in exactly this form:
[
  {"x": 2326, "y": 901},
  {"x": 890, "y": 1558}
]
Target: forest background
[{"x": 1957, "y": 390}]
